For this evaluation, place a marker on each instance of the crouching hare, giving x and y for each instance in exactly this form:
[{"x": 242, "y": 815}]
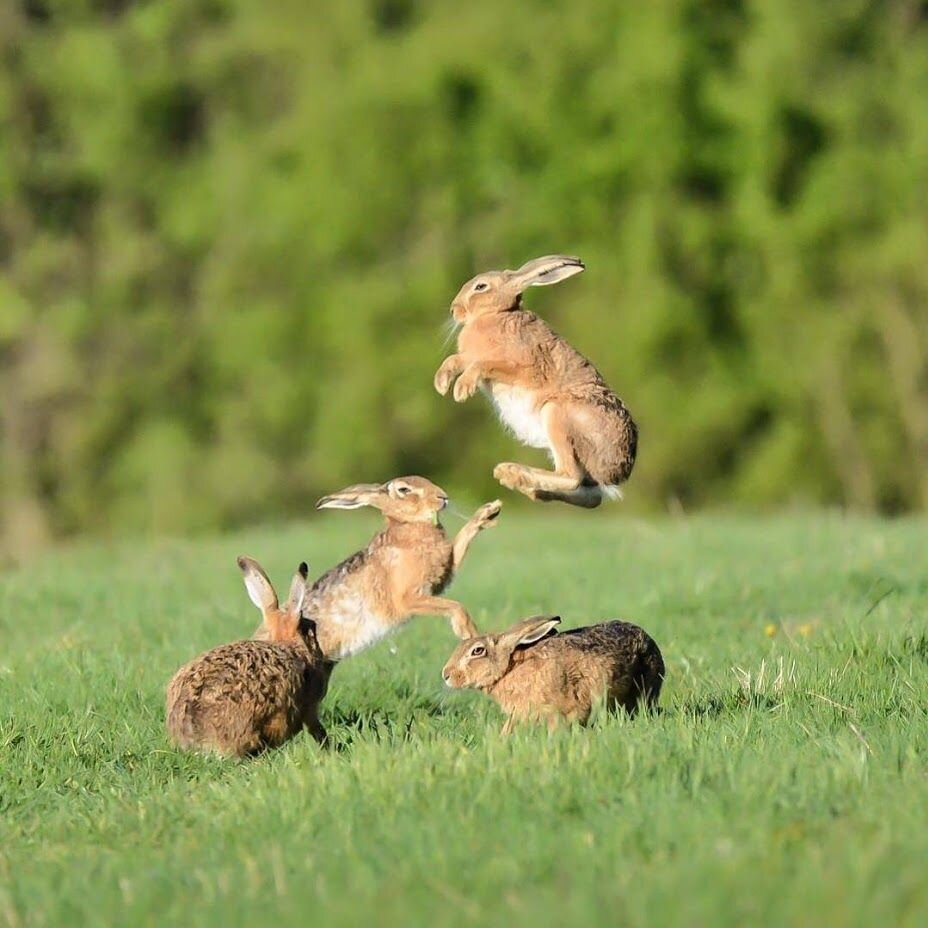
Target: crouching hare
[
  {"x": 400, "y": 574},
  {"x": 537, "y": 675},
  {"x": 243, "y": 697}
]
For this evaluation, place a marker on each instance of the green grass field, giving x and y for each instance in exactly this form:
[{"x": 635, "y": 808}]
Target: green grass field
[{"x": 785, "y": 782}]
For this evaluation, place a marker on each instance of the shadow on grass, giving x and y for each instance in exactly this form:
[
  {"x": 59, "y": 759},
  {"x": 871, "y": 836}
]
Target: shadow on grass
[
  {"x": 716, "y": 705},
  {"x": 391, "y": 723}
]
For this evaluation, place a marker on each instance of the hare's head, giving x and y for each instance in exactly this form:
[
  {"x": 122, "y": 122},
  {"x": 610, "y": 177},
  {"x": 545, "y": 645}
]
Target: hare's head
[
  {"x": 500, "y": 291},
  {"x": 403, "y": 499},
  {"x": 478, "y": 663},
  {"x": 281, "y": 621}
]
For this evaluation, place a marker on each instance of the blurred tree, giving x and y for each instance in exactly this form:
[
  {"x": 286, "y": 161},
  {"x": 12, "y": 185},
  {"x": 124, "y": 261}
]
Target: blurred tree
[{"x": 229, "y": 233}]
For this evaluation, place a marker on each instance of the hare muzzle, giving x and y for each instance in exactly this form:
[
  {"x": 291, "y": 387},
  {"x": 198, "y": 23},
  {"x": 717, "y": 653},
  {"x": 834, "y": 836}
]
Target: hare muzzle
[{"x": 452, "y": 677}]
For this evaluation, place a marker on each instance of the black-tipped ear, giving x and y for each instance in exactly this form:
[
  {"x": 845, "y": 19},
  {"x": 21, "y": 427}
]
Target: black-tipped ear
[
  {"x": 524, "y": 633},
  {"x": 538, "y": 633},
  {"x": 260, "y": 590},
  {"x": 548, "y": 270},
  {"x": 528, "y": 631},
  {"x": 362, "y": 494},
  {"x": 297, "y": 593},
  {"x": 339, "y": 502}
]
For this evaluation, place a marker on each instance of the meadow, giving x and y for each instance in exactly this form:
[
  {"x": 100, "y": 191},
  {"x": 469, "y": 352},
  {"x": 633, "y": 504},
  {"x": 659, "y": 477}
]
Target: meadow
[{"x": 784, "y": 782}]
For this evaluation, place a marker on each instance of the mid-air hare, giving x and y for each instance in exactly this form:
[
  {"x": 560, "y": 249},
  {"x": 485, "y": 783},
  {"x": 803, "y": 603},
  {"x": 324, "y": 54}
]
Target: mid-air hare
[
  {"x": 243, "y": 697},
  {"x": 547, "y": 393},
  {"x": 400, "y": 574},
  {"x": 537, "y": 675}
]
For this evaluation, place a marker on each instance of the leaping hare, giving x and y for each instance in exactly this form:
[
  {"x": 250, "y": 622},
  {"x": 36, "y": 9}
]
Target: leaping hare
[
  {"x": 400, "y": 574},
  {"x": 535, "y": 674},
  {"x": 547, "y": 393},
  {"x": 243, "y": 697}
]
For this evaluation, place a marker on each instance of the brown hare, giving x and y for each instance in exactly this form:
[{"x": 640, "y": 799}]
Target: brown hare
[
  {"x": 400, "y": 574},
  {"x": 241, "y": 698},
  {"x": 547, "y": 393},
  {"x": 537, "y": 675}
]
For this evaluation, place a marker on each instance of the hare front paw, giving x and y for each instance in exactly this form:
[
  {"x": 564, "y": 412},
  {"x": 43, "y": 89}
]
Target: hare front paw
[
  {"x": 444, "y": 377},
  {"x": 466, "y": 385},
  {"x": 487, "y": 514}
]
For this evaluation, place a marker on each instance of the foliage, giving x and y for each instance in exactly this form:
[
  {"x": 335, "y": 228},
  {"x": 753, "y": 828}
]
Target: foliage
[
  {"x": 783, "y": 784},
  {"x": 230, "y": 230}
]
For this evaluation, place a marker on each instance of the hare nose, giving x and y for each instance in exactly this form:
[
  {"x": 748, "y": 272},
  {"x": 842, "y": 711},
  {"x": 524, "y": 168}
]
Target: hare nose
[{"x": 446, "y": 676}]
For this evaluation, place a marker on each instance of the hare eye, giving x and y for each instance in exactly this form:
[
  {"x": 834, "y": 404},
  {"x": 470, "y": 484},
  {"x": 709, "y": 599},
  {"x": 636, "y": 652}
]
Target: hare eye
[
  {"x": 403, "y": 491},
  {"x": 479, "y": 288},
  {"x": 478, "y": 651}
]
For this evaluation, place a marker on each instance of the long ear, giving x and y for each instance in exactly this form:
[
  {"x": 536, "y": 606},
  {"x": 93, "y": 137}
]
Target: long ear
[
  {"x": 528, "y": 631},
  {"x": 260, "y": 591},
  {"x": 298, "y": 590},
  {"x": 548, "y": 270},
  {"x": 361, "y": 494}
]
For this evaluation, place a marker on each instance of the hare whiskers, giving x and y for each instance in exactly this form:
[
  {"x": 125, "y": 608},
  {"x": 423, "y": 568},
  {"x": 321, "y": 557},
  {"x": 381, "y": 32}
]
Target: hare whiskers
[{"x": 451, "y": 328}]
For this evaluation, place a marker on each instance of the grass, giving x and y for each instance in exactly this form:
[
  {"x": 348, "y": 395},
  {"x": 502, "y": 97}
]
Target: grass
[{"x": 786, "y": 781}]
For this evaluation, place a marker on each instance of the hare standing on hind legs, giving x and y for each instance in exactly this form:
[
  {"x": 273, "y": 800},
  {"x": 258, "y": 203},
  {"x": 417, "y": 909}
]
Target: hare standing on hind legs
[
  {"x": 400, "y": 574},
  {"x": 545, "y": 391}
]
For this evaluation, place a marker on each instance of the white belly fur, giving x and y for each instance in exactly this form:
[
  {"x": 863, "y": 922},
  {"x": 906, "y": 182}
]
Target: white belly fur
[
  {"x": 369, "y": 632},
  {"x": 517, "y": 411},
  {"x": 358, "y": 628}
]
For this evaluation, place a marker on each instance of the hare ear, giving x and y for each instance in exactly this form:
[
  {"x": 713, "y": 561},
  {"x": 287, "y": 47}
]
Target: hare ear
[
  {"x": 298, "y": 590},
  {"x": 260, "y": 591},
  {"x": 548, "y": 270},
  {"x": 361, "y": 494},
  {"x": 528, "y": 631}
]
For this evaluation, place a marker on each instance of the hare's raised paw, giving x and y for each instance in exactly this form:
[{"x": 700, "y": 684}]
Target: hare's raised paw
[
  {"x": 444, "y": 377},
  {"x": 487, "y": 514},
  {"x": 466, "y": 385}
]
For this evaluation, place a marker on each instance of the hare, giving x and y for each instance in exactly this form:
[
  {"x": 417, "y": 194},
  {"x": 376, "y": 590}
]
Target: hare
[
  {"x": 401, "y": 572},
  {"x": 241, "y": 698},
  {"x": 547, "y": 393},
  {"x": 535, "y": 674}
]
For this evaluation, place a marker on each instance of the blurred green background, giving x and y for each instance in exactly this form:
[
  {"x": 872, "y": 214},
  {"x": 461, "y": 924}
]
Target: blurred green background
[{"x": 230, "y": 232}]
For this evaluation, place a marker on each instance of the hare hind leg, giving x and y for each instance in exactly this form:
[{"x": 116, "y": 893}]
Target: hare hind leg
[
  {"x": 588, "y": 497},
  {"x": 461, "y": 623},
  {"x": 567, "y": 483}
]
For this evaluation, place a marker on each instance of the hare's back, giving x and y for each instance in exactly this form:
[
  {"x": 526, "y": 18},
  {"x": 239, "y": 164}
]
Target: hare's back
[
  {"x": 238, "y": 698},
  {"x": 246, "y": 678},
  {"x": 615, "y": 637},
  {"x": 628, "y": 651},
  {"x": 245, "y": 667},
  {"x": 335, "y": 578}
]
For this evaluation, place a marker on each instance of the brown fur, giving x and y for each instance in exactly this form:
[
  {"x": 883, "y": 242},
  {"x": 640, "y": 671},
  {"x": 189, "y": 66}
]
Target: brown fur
[
  {"x": 523, "y": 364},
  {"x": 535, "y": 674},
  {"x": 241, "y": 698},
  {"x": 400, "y": 574}
]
